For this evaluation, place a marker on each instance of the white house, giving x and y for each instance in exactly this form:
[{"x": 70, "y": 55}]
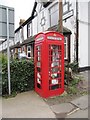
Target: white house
[{"x": 45, "y": 16}]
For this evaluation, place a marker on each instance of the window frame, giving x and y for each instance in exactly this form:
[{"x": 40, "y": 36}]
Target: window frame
[
  {"x": 51, "y": 13},
  {"x": 29, "y": 51},
  {"x": 19, "y": 50},
  {"x": 66, "y": 43},
  {"x": 29, "y": 30}
]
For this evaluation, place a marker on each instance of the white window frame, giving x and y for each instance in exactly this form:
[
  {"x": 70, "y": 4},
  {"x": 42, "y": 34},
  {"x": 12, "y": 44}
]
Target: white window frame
[
  {"x": 22, "y": 33},
  {"x": 66, "y": 43},
  {"x": 52, "y": 12},
  {"x": 29, "y": 28},
  {"x": 28, "y": 51},
  {"x": 19, "y": 50}
]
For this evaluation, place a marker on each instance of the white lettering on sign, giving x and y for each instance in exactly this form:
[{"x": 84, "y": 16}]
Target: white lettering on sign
[
  {"x": 41, "y": 38},
  {"x": 54, "y": 38}
]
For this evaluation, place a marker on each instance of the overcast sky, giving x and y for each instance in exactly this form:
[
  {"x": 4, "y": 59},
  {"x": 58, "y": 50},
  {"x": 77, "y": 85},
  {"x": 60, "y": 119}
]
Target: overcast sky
[{"x": 23, "y": 8}]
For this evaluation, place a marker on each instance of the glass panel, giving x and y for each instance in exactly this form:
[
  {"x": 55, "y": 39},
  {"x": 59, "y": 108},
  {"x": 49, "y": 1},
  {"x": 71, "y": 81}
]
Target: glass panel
[
  {"x": 38, "y": 48},
  {"x": 54, "y": 87},
  {"x": 55, "y": 75},
  {"x": 55, "y": 70},
  {"x": 54, "y": 15},
  {"x": 38, "y": 69},
  {"x": 38, "y": 75},
  {"x": 54, "y": 64},
  {"x": 29, "y": 30},
  {"x": 29, "y": 54},
  {"x": 38, "y": 53},
  {"x": 29, "y": 48},
  {"x": 38, "y": 64}
]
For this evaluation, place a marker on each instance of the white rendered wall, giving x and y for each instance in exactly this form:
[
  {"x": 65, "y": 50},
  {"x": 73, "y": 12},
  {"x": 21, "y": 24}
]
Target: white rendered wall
[
  {"x": 70, "y": 23},
  {"x": 89, "y": 34},
  {"x": 83, "y": 34}
]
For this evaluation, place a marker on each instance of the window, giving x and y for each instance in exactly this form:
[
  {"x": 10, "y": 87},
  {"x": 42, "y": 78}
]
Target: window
[
  {"x": 65, "y": 48},
  {"x": 19, "y": 50},
  {"x": 54, "y": 15},
  {"x": 23, "y": 49},
  {"x": 29, "y": 27},
  {"x": 22, "y": 34},
  {"x": 29, "y": 51}
]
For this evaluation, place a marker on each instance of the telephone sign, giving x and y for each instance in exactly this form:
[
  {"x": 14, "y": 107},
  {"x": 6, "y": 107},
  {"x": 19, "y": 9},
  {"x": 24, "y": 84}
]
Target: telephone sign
[
  {"x": 53, "y": 38},
  {"x": 49, "y": 64}
]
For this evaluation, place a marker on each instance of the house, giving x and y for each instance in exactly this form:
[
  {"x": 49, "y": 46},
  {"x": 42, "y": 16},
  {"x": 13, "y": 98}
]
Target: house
[
  {"x": 38, "y": 22},
  {"x": 45, "y": 16}
]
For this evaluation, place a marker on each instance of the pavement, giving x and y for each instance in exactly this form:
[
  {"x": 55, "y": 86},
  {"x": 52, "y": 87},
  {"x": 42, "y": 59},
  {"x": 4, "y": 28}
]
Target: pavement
[
  {"x": 26, "y": 105},
  {"x": 31, "y": 105},
  {"x": 77, "y": 108}
]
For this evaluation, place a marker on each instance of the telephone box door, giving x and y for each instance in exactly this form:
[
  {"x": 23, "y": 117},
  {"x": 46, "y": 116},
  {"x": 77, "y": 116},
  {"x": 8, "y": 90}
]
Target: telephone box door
[
  {"x": 55, "y": 67},
  {"x": 38, "y": 67}
]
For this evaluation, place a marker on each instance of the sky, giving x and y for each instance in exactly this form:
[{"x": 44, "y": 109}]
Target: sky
[{"x": 23, "y": 9}]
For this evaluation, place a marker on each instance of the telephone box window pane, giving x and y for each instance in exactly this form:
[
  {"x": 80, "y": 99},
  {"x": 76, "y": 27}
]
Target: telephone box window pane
[
  {"x": 38, "y": 58},
  {"x": 55, "y": 75},
  {"x": 38, "y": 85},
  {"x": 38, "y": 75},
  {"x": 55, "y": 70},
  {"x": 38, "y": 48},
  {"x": 38, "y": 64},
  {"x": 38, "y": 53},
  {"x": 39, "y": 69},
  {"x": 54, "y": 64},
  {"x": 54, "y": 87},
  {"x": 38, "y": 81}
]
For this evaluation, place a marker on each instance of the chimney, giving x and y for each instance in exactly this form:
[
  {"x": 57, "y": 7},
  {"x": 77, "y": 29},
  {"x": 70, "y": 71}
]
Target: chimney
[{"x": 21, "y": 21}]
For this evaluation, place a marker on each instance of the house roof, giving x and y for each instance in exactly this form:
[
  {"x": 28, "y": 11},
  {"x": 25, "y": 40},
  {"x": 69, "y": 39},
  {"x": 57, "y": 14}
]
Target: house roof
[
  {"x": 31, "y": 39},
  {"x": 29, "y": 19},
  {"x": 45, "y": 4},
  {"x": 55, "y": 28}
]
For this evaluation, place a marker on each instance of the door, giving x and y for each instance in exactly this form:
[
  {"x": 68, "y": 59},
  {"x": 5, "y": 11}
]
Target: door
[
  {"x": 55, "y": 67},
  {"x": 38, "y": 76}
]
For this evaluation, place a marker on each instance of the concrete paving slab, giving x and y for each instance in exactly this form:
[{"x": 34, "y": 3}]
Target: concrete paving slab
[
  {"x": 85, "y": 75},
  {"x": 79, "y": 114},
  {"x": 81, "y": 102},
  {"x": 26, "y": 105},
  {"x": 62, "y": 108}
]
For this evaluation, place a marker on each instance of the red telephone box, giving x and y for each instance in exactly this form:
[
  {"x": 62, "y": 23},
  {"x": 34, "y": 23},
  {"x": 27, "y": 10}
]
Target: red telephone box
[{"x": 49, "y": 64}]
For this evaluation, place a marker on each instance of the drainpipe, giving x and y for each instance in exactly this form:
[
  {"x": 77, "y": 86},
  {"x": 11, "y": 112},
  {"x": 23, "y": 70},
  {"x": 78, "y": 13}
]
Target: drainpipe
[
  {"x": 77, "y": 30},
  {"x": 60, "y": 17}
]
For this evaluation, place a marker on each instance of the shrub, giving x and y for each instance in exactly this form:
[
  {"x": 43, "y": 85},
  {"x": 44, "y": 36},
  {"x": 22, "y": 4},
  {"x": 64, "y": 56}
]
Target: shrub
[
  {"x": 74, "y": 66},
  {"x": 22, "y": 76},
  {"x": 3, "y": 58}
]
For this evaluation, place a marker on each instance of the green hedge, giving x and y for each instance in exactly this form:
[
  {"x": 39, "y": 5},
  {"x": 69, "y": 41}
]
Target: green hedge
[{"x": 22, "y": 76}]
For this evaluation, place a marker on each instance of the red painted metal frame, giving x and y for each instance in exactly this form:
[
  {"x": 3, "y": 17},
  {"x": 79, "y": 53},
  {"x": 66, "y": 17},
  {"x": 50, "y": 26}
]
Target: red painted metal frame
[{"x": 41, "y": 40}]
